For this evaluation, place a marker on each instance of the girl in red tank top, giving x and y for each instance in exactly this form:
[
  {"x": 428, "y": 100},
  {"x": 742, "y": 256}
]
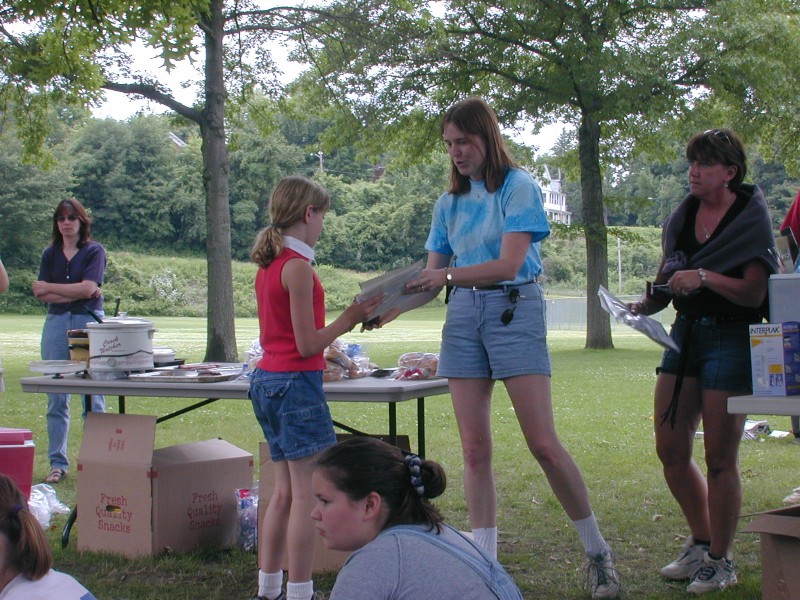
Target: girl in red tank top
[{"x": 286, "y": 387}]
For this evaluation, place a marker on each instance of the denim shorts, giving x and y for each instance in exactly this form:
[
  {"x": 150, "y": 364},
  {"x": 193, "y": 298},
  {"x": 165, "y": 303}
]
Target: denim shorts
[
  {"x": 292, "y": 412},
  {"x": 718, "y": 353},
  {"x": 476, "y": 343}
]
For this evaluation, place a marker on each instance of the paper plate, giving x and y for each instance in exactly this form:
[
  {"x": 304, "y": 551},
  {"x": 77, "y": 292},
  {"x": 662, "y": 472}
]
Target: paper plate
[{"x": 55, "y": 367}]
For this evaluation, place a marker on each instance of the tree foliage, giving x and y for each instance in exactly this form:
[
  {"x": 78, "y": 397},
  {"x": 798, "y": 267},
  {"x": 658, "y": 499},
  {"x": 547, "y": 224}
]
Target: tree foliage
[
  {"x": 28, "y": 196},
  {"x": 70, "y": 51},
  {"x": 374, "y": 224},
  {"x": 618, "y": 70},
  {"x": 615, "y": 69}
]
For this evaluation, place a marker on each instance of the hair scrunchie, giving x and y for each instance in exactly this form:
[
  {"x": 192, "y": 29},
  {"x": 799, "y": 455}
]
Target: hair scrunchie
[
  {"x": 413, "y": 463},
  {"x": 15, "y": 509}
]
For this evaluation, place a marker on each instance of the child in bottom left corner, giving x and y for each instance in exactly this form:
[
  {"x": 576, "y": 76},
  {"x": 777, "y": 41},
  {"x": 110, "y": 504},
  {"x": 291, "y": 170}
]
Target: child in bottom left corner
[{"x": 25, "y": 555}]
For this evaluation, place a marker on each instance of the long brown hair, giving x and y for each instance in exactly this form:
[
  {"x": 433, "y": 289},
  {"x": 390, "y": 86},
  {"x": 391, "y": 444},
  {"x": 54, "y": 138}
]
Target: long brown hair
[
  {"x": 29, "y": 552},
  {"x": 475, "y": 117},
  {"x": 361, "y": 465},
  {"x": 65, "y": 208},
  {"x": 287, "y": 205}
]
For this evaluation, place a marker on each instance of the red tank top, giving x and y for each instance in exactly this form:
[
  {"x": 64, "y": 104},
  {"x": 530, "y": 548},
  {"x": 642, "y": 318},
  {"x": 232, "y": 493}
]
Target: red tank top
[{"x": 275, "y": 320}]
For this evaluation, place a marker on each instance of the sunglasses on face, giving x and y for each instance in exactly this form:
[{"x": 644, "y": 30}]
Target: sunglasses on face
[
  {"x": 62, "y": 218},
  {"x": 508, "y": 314}
]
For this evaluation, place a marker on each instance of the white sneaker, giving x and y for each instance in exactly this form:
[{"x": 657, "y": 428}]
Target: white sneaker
[
  {"x": 688, "y": 563},
  {"x": 716, "y": 574},
  {"x": 602, "y": 575},
  {"x": 793, "y": 498}
]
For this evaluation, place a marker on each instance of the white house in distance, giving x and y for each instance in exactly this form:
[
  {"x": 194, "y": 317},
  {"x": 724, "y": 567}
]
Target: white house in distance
[{"x": 555, "y": 200}]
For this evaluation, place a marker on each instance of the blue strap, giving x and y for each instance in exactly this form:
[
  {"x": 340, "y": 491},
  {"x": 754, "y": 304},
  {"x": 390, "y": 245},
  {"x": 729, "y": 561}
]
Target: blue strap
[{"x": 493, "y": 574}]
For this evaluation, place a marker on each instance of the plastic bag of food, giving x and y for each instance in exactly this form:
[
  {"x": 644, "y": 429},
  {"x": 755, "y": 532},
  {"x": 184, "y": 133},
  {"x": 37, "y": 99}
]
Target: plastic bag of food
[
  {"x": 333, "y": 371},
  {"x": 253, "y": 354},
  {"x": 339, "y": 352},
  {"x": 417, "y": 365},
  {"x": 361, "y": 367},
  {"x": 247, "y": 518},
  {"x": 350, "y": 357}
]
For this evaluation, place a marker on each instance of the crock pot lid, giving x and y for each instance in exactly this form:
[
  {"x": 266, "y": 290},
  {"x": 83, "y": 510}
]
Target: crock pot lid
[{"x": 120, "y": 322}]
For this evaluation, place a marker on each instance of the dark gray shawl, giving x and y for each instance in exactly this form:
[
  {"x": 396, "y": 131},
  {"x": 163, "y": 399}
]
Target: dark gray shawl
[{"x": 749, "y": 236}]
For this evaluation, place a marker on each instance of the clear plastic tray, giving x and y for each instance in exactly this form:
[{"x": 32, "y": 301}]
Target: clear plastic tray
[{"x": 178, "y": 376}]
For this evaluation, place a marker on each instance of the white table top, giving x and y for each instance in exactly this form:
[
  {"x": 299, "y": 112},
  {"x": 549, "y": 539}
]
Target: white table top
[
  {"x": 364, "y": 389},
  {"x": 764, "y": 405}
]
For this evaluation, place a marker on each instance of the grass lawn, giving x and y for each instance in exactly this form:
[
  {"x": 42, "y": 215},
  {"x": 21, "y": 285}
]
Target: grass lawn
[{"x": 603, "y": 405}]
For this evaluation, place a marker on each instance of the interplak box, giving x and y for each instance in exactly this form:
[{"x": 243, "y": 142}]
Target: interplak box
[
  {"x": 775, "y": 358},
  {"x": 135, "y": 500},
  {"x": 780, "y": 552}
]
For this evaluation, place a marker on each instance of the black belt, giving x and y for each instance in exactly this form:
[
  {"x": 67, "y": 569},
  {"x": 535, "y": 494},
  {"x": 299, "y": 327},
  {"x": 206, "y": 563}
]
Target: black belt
[
  {"x": 79, "y": 310},
  {"x": 717, "y": 320},
  {"x": 504, "y": 287}
]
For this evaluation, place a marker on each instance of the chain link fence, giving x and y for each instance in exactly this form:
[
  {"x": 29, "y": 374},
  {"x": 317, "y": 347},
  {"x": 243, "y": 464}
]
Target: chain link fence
[{"x": 569, "y": 314}]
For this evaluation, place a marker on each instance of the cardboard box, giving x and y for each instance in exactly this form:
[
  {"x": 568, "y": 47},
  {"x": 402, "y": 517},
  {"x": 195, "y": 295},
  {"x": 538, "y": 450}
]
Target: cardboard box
[
  {"x": 16, "y": 457},
  {"x": 780, "y": 552},
  {"x": 784, "y": 297},
  {"x": 775, "y": 358},
  {"x": 324, "y": 559},
  {"x": 137, "y": 501}
]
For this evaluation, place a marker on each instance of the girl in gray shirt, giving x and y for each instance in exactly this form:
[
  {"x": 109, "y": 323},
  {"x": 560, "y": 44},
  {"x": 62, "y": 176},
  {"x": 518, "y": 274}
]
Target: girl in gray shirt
[{"x": 374, "y": 501}]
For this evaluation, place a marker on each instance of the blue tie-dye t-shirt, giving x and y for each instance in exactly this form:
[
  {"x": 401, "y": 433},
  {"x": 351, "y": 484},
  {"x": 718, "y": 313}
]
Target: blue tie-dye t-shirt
[{"x": 471, "y": 226}]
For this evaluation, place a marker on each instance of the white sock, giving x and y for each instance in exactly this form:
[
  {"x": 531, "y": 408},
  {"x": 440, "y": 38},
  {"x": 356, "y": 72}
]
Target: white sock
[
  {"x": 300, "y": 591},
  {"x": 589, "y": 532},
  {"x": 486, "y": 538},
  {"x": 269, "y": 584}
]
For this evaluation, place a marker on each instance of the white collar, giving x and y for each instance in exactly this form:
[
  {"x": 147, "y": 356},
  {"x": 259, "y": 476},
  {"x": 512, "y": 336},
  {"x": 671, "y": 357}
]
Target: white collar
[{"x": 299, "y": 246}]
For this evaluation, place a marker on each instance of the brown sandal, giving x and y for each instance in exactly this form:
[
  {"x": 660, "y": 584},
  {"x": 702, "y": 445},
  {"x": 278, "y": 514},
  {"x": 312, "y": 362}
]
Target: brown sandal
[{"x": 56, "y": 475}]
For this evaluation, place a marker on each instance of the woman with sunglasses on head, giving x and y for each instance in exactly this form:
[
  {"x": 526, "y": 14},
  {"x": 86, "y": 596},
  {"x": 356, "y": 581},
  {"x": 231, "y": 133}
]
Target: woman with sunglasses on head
[
  {"x": 718, "y": 252},
  {"x": 71, "y": 272},
  {"x": 484, "y": 247}
]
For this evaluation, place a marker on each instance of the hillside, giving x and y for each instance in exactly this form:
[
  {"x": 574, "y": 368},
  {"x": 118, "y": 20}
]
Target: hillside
[{"x": 176, "y": 286}]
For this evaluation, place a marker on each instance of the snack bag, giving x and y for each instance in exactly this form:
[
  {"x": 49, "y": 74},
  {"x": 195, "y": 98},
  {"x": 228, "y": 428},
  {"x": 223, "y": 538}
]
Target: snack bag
[
  {"x": 417, "y": 365},
  {"x": 350, "y": 357},
  {"x": 333, "y": 371},
  {"x": 247, "y": 522}
]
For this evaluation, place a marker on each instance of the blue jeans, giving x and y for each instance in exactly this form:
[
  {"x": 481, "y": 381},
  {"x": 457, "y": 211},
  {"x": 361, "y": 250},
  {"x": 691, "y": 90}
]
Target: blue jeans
[
  {"x": 55, "y": 346},
  {"x": 718, "y": 354},
  {"x": 476, "y": 342},
  {"x": 292, "y": 411}
]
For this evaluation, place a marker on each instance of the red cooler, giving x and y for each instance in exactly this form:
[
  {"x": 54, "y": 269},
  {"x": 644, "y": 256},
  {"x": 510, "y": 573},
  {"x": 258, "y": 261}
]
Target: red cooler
[{"x": 16, "y": 457}]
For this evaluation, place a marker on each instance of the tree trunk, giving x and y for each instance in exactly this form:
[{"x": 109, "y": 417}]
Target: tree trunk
[
  {"x": 598, "y": 322},
  {"x": 221, "y": 333}
]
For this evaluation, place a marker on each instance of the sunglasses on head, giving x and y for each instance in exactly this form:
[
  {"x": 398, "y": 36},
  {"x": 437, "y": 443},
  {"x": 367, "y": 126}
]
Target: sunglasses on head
[
  {"x": 62, "y": 218},
  {"x": 718, "y": 133}
]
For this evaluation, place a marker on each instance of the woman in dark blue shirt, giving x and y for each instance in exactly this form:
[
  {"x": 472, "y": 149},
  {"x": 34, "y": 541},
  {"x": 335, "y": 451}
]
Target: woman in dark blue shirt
[{"x": 70, "y": 275}]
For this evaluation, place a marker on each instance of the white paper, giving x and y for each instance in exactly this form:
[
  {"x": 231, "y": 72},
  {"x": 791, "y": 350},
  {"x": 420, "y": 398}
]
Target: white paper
[
  {"x": 392, "y": 284},
  {"x": 650, "y": 327}
]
